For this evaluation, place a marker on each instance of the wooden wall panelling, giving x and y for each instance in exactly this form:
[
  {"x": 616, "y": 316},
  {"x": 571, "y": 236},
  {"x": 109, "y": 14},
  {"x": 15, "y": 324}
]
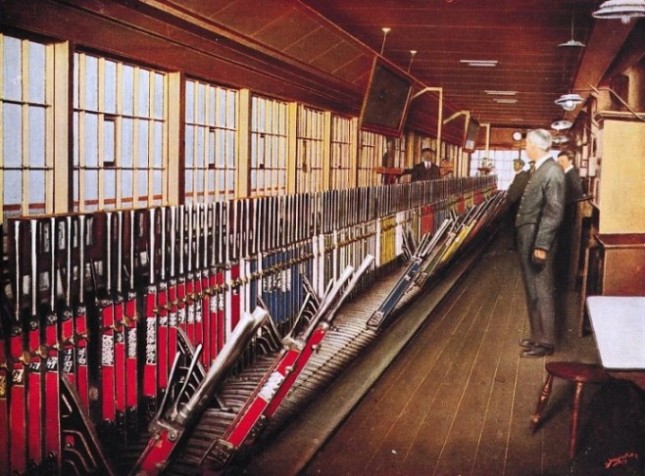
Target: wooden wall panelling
[{"x": 622, "y": 176}]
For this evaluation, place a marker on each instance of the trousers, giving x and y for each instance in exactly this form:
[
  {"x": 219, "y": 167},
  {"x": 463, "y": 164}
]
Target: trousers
[{"x": 539, "y": 284}]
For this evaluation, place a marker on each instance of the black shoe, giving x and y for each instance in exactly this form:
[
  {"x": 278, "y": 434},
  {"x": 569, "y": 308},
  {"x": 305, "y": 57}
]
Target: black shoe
[
  {"x": 538, "y": 351},
  {"x": 528, "y": 343}
]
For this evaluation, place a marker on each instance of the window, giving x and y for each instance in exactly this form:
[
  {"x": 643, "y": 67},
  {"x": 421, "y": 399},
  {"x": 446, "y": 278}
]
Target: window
[
  {"x": 268, "y": 147},
  {"x": 310, "y": 136},
  {"x": 342, "y": 134},
  {"x": 119, "y": 134},
  {"x": 370, "y": 155},
  {"x": 26, "y": 145},
  {"x": 211, "y": 126},
  {"x": 499, "y": 161},
  {"x": 378, "y": 151}
]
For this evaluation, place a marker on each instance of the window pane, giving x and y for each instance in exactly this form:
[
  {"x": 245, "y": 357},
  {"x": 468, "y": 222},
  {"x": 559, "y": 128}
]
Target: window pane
[
  {"x": 142, "y": 184},
  {"x": 190, "y": 101},
  {"x": 109, "y": 142},
  {"x": 76, "y": 140},
  {"x": 76, "y": 85},
  {"x": 36, "y": 72},
  {"x": 36, "y": 133},
  {"x": 110, "y": 187},
  {"x": 201, "y": 97},
  {"x": 110, "y": 83},
  {"x": 231, "y": 103},
  {"x": 159, "y": 96},
  {"x": 37, "y": 189},
  {"x": 91, "y": 84},
  {"x": 128, "y": 90},
  {"x": 158, "y": 145},
  {"x": 91, "y": 185},
  {"x": 126, "y": 184},
  {"x": 157, "y": 183},
  {"x": 189, "y": 181},
  {"x": 12, "y": 66},
  {"x": 12, "y": 187},
  {"x": 143, "y": 144},
  {"x": 12, "y": 135},
  {"x": 144, "y": 93},
  {"x": 91, "y": 140},
  {"x": 190, "y": 138},
  {"x": 127, "y": 140}
]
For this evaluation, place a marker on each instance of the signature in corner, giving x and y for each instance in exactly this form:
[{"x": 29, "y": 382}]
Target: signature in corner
[{"x": 620, "y": 460}]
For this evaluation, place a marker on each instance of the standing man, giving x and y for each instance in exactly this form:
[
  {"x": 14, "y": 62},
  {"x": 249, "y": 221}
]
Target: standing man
[
  {"x": 537, "y": 222},
  {"x": 572, "y": 193},
  {"x": 514, "y": 194},
  {"x": 517, "y": 186},
  {"x": 573, "y": 187},
  {"x": 426, "y": 169}
]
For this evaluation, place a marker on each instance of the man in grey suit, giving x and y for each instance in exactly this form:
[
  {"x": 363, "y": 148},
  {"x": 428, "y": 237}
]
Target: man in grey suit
[{"x": 538, "y": 219}]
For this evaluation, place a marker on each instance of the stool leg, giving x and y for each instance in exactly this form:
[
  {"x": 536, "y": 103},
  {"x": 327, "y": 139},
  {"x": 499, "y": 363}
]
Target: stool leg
[
  {"x": 544, "y": 396},
  {"x": 575, "y": 413}
]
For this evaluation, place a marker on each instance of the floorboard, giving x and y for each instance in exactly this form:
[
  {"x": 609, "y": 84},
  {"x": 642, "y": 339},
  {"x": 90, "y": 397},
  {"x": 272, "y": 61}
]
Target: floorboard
[{"x": 457, "y": 400}]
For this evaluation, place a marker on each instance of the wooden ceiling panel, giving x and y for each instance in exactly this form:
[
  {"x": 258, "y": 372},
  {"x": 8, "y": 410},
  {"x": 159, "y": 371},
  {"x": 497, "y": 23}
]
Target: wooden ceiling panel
[
  {"x": 311, "y": 45},
  {"x": 203, "y": 9},
  {"x": 247, "y": 17},
  {"x": 287, "y": 29},
  {"x": 336, "y": 57},
  {"x": 356, "y": 71}
]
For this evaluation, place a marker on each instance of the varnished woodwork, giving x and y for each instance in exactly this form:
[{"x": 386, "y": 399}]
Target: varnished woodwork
[
  {"x": 622, "y": 264},
  {"x": 458, "y": 398}
]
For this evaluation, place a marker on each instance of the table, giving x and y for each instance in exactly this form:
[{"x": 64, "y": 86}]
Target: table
[
  {"x": 618, "y": 324},
  {"x": 619, "y": 327}
]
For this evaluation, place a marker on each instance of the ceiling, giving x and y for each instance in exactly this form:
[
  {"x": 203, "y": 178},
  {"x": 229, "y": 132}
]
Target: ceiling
[
  {"x": 320, "y": 52},
  {"x": 521, "y": 35},
  {"x": 336, "y": 40}
]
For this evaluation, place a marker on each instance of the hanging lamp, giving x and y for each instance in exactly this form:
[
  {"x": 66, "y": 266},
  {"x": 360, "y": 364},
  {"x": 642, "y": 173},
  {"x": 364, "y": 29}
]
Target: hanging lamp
[
  {"x": 623, "y": 9},
  {"x": 572, "y": 43},
  {"x": 562, "y": 125},
  {"x": 568, "y": 102}
]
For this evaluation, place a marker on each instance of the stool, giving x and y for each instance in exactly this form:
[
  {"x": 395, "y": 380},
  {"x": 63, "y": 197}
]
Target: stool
[{"x": 576, "y": 372}]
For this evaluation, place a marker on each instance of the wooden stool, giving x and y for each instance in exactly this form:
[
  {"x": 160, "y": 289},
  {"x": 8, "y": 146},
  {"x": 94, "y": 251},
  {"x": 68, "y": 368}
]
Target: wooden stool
[{"x": 576, "y": 372}]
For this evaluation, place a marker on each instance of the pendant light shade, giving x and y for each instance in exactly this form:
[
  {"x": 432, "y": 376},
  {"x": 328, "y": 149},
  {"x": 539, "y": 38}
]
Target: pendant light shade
[
  {"x": 623, "y": 9},
  {"x": 568, "y": 102},
  {"x": 572, "y": 43},
  {"x": 561, "y": 125}
]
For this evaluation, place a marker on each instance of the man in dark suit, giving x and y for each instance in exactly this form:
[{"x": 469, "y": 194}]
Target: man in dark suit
[
  {"x": 514, "y": 194},
  {"x": 517, "y": 186},
  {"x": 573, "y": 186},
  {"x": 426, "y": 169},
  {"x": 572, "y": 193},
  {"x": 538, "y": 220}
]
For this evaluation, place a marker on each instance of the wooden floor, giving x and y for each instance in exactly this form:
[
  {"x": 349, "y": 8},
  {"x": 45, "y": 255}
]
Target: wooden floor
[{"x": 457, "y": 400}]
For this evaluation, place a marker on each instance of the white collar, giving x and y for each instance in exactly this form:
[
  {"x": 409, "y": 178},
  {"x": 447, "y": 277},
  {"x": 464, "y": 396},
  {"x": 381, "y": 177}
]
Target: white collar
[{"x": 568, "y": 168}]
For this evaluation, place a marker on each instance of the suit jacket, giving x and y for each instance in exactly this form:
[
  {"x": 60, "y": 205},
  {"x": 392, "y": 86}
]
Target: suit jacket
[
  {"x": 542, "y": 203},
  {"x": 573, "y": 187},
  {"x": 421, "y": 172},
  {"x": 517, "y": 186}
]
